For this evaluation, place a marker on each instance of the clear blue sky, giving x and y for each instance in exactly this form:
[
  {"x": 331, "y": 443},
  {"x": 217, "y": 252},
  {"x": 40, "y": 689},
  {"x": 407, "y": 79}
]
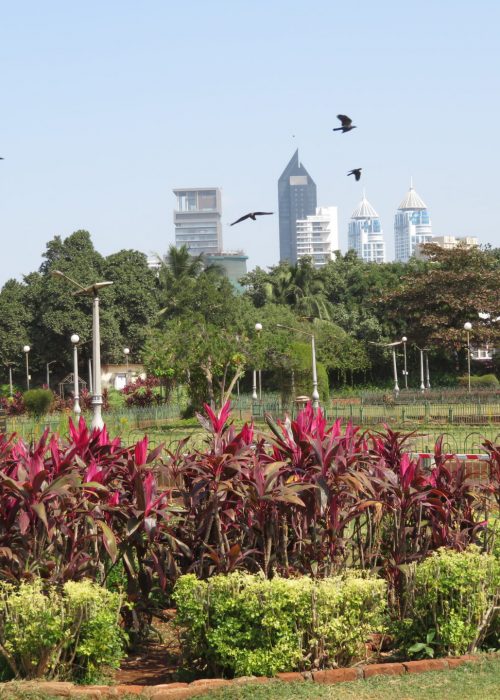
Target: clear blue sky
[{"x": 106, "y": 106}]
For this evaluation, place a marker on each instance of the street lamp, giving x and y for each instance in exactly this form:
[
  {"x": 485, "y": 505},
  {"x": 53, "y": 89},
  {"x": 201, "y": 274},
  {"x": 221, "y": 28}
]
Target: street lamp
[
  {"x": 422, "y": 369},
  {"x": 92, "y": 290},
  {"x": 258, "y": 328},
  {"x": 467, "y": 329},
  {"x": 315, "y": 393},
  {"x": 75, "y": 339},
  {"x": 405, "y": 371},
  {"x": 394, "y": 364},
  {"x": 47, "y": 370},
  {"x": 26, "y": 350},
  {"x": 126, "y": 352}
]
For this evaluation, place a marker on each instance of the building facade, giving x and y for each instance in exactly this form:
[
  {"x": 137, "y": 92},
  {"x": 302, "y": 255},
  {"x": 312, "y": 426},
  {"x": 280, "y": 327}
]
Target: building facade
[
  {"x": 365, "y": 235},
  {"x": 449, "y": 243},
  {"x": 296, "y": 200},
  {"x": 232, "y": 263},
  {"x": 412, "y": 226},
  {"x": 318, "y": 236},
  {"x": 197, "y": 220}
]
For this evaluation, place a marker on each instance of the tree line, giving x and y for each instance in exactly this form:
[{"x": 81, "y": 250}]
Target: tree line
[{"x": 186, "y": 323}]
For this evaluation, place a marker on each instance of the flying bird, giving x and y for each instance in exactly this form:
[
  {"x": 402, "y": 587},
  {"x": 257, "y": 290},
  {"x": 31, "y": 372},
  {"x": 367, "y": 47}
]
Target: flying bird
[
  {"x": 346, "y": 122},
  {"x": 356, "y": 172},
  {"x": 252, "y": 216}
]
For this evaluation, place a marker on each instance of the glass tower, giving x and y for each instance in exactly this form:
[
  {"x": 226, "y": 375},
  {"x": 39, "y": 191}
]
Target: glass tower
[
  {"x": 365, "y": 234},
  {"x": 412, "y": 226},
  {"x": 296, "y": 200}
]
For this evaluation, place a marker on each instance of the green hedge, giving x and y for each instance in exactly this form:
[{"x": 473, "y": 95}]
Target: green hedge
[
  {"x": 46, "y": 633},
  {"x": 452, "y": 601},
  {"x": 487, "y": 381},
  {"x": 38, "y": 401},
  {"x": 243, "y": 624}
]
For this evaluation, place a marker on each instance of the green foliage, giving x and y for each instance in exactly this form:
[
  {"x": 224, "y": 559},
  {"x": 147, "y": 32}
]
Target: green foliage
[
  {"x": 38, "y": 401},
  {"x": 454, "y": 594},
  {"x": 488, "y": 381},
  {"x": 243, "y": 624},
  {"x": 73, "y": 634}
]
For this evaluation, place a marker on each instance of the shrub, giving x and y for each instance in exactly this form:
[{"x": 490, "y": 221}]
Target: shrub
[
  {"x": 73, "y": 634},
  {"x": 243, "y": 624},
  {"x": 454, "y": 594},
  {"x": 38, "y": 401},
  {"x": 488, "y": 381}
]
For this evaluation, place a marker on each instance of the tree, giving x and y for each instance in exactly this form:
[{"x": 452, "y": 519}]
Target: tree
[
  {"x": 452, "y": 287},
  {"x": 133, "y": 299},
  {"x": 15, "y": 321}
]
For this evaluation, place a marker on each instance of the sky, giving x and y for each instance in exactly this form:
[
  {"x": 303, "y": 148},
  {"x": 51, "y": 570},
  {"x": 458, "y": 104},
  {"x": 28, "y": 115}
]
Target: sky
[{"x": 108, "y": 106}]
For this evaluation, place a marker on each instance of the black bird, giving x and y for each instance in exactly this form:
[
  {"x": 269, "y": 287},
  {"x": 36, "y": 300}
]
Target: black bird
[
  {"x": 346, "y": 122},
  {"x": 252, "y": 216},
  {"x": 356, "y": 172}
]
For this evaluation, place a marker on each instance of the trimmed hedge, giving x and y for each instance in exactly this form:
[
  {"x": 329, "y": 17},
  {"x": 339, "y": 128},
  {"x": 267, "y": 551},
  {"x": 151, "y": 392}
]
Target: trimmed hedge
[
  {"x": 243, "y": 624},
  {"x": 73, "y": 634}
]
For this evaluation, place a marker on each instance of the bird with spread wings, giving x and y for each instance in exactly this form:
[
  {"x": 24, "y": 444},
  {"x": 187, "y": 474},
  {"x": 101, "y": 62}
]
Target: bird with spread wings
[{"x": 252, "y": 215}]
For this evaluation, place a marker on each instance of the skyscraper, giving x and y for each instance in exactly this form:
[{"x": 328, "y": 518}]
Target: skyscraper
[
  {"x": 365, "y": 234},
  {"x": 197, "y": 220},
  {"x": 318, "y": 236},
  {"x": 412, "y": 226},
  {"x": 296, "y": 200}
]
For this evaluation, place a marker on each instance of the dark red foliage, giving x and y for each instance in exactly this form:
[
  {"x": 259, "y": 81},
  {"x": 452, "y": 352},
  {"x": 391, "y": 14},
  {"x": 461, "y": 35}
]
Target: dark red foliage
[{"x": 143, "y": 392}]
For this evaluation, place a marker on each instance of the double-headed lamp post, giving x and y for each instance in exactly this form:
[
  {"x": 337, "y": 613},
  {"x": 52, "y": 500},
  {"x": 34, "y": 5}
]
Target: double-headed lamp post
[
  {"x": 26, "y": 350},
  {"x": 75, "y": 339},
  {"x": 315, "y": 393},
  {"x": 92, "y": 290},
  {"x": 394, "y": 362},
  {"x": 126, "y": 352},
  {"x": 467, "y": 329}
]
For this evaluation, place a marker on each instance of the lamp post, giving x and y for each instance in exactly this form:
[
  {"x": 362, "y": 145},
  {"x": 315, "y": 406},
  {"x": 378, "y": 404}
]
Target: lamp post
[
  {"x": 126, "y": 352},
  {"x": 92, "y": 290},
  {"x": 258, "y": 328},
  {"x": 26, "y": 350},
  {"x": 467, "y": 329},
  {"x": 405, "y": 371},
  {"x": 47, "y": 370},
  {"x": 427, "y": 375},
  {"x": 315, "y": 393},
  {"x": 75, "y": 339},
  {"x": 394, "y": 364}
]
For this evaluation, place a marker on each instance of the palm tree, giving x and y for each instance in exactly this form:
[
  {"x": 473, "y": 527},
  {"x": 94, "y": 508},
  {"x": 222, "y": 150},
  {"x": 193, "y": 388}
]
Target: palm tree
[{"x": 301, "y": 287}]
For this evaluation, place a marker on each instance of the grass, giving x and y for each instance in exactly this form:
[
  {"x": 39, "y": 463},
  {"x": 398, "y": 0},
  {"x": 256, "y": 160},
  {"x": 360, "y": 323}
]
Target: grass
[{"x": 469, "y": 682}]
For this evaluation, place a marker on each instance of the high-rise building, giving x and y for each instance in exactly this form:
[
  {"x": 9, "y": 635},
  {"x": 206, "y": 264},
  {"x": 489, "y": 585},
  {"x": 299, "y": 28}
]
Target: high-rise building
[
  {"x": 365, "y": 234},
  {"x": 197, "y": 220},
  {"x": 412, "y": 226},
  {"x": 318, "y": 236},
  {"x": 296, "y": 200},
  {"x": 232, "y": 263}
]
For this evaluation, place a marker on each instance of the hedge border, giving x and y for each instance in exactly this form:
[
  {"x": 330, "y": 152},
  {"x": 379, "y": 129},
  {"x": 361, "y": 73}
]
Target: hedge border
[{"x": 180, "y": 691}]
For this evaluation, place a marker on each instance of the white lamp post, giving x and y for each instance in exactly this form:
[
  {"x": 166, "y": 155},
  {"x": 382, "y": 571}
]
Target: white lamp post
[
  {"x": 405, "y": 371},
  {"x": 92, "y": 290},
  {"x": 48, "y": 371},
  {"x": 26, "y": 350},
  {"x": 75, "y": 339},
  {"x": 258, "y": 328},
  {"x": 467, "y": 329},
  {"x": 126, "y": 352},
  {"x": 394, "y": 364},
  {"x": 427, "y": 374},
  {"x": 315, "y": 393}
]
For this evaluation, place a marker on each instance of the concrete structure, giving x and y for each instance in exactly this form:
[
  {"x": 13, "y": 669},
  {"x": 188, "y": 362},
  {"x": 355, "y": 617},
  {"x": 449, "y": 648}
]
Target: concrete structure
[
  {"x": 233, "y": 263},
  {"x": 412, "y": 226},
  {"x": 449, "y": 243},
  {"x": 365, "y": 234},
  {"x": 197, "y": 220},
  {"x": 296, "y": 200},
  {"x": 115, "y": 376},
  {"x": 318, "y": 236}
]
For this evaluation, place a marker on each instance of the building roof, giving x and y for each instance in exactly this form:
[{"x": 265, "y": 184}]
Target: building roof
[
  {"x": 412, "y": 200},
  {"x": 364, "y": 210}
]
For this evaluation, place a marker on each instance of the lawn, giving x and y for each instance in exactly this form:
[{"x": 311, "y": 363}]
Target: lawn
[{"x": 469, "y": 682}]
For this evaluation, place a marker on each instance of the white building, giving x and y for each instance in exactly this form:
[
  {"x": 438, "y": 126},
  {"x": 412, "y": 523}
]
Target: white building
[
  {"x": 365, "y": 234},
  {"x": 449, "y": 243},
  {"x": 318, "y": 236},
  {"x": 412, "y": 226}
]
